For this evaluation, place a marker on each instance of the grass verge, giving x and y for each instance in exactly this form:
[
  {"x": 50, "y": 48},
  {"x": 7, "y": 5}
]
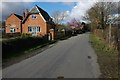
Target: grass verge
[
  {"x": 27, "y": 51},
  {"x": 107, "y": 58},
  {"x": 30, "y": 50}
]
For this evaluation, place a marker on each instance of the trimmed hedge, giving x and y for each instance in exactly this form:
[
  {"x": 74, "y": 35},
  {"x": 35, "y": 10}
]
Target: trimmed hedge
[
  {"x": 61, "y": 34},
  {"x": 14, "y": 46},
  {"x": 9, "y": 35}
]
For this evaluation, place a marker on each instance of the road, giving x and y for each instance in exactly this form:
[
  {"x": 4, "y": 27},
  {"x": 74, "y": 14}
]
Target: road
[{"x": 71, "y": 58}]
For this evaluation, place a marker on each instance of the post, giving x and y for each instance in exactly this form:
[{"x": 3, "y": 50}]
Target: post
[
  {"x": 109, "y": 33},
  {"x": 52, "y": 33}
]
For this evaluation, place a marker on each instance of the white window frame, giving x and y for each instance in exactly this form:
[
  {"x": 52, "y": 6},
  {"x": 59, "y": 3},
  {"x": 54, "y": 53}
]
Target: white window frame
[
  {"x": 34, "y": 16},
  {"x": 37, "y": 27},
  {"x": 29, "y": 29},
  {"x": 12, "y": 30}
]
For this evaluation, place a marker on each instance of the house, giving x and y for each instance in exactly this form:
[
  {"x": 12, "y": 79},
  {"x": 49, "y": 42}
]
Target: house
[
  {"x": 13, "y": 23},
  {"x": 36, "y": 22}
]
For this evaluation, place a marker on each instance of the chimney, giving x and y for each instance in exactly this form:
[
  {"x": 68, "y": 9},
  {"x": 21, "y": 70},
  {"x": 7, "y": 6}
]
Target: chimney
[
  {"x": 23, "y": 15},
  {"x": 26, "y": 12}
]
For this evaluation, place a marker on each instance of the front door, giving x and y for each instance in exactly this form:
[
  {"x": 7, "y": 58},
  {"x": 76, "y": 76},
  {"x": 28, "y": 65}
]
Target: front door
[{"x": 34, "y": 31}]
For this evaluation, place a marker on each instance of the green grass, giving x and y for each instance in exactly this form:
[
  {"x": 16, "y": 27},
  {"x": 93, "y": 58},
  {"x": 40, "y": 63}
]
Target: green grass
[
  {"x": 107, "y": 58},
  {"x": 3, "y": 39},
  {"x": 30, "y": 50},
  {"x": 27, "y": 51}
]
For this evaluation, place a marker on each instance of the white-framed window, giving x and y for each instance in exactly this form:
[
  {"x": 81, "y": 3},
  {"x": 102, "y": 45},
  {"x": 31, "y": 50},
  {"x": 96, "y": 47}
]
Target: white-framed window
[
  {"x": 38, "y": 29},
  {"x": 34, "y": 29},
  {"x": 12, "y": 30},
  {"x": 29, "y": 29},
  {"x": 34, "y": 16}
]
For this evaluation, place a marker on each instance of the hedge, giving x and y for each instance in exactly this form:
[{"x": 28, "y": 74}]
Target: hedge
[{"x": 14, "y": 46}]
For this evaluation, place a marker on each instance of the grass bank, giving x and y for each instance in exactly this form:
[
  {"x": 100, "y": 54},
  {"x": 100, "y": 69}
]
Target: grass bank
[
  {"x": 27, "y": 51},
  {"x": 30, "y": 50},
  {"x": 107, "y": 58}
]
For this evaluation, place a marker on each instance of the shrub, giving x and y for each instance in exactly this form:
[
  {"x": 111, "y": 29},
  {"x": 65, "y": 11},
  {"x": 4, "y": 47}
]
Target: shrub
[
  {"x": 26, "y": 35},
  {"x": 9, "y": 35},
  {"x": 15, "y": 46}
]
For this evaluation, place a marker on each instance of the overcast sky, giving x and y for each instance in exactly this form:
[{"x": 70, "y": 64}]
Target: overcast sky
[{"x": 75, "y": 8}]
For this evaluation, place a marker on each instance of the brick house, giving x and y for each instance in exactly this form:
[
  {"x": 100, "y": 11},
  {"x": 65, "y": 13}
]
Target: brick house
[{"x": 36, "y": 22}]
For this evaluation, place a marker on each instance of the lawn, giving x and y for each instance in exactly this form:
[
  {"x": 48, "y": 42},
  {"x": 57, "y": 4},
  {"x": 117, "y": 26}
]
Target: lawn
[{"x": 107, "y": 58}]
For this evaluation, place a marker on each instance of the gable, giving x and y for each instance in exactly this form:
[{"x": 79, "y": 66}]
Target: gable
[
  {"x": 36, "y": 21},
  {"x": 13, "y": 17},
  {"x": 34, "y": 10},
  {"x": 41, "y": 12}
]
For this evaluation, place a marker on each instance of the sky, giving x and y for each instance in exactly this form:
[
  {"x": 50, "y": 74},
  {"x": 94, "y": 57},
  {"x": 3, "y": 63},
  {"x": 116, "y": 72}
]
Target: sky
[{"x": 74, "y": 8}]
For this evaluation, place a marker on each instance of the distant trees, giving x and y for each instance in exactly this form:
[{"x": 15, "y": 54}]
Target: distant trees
[
  {"x": 102, "y": 17},
  {"x": 99, "y": 14},
  {"x": 74, "y": 23},
  {"x": 3, "y": 24}
]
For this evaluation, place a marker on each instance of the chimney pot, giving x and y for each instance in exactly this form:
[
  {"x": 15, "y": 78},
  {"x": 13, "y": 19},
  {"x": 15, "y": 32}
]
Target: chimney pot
[
  {"x": 23, "y": 15},
  {"x": 26, "y": 12}
]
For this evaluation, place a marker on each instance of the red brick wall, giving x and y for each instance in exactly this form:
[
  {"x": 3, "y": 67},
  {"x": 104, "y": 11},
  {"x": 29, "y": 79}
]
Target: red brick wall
[
  {"x": 35, "y": 22},
  {"x": 13, "y": 20}
]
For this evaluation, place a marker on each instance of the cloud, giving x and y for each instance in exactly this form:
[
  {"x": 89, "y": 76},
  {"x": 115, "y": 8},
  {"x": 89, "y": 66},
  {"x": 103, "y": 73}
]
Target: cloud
[
  {"x": 57, "y": 0},
  {"x": 17, "y": 6},
  {"x": 40, "y": 0},
  {"x": 79, "y": 10},
  {"x": 20, "y": 0},
  {"x": 59, "y": 16},
  {"x": 68, "y": 3},
  {"x": 0, "y": 11},
  {"x": 14, "y": 7}
]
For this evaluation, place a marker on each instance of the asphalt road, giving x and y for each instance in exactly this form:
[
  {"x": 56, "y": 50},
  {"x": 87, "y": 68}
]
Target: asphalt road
[{"x": 71, "y": 58}]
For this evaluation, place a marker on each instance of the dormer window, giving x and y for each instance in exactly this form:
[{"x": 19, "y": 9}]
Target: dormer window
[{"x": 34, "y": 16}]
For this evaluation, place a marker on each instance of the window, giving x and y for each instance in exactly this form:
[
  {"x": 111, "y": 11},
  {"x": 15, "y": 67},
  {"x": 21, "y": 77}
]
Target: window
[
  {"x": 12, "y": 30},
  {"x": 29, "y": 29},
  {"x": 34, "y": 17},
  {"x": 33, "y": 29},
  {"x": 38, "y": 29}
]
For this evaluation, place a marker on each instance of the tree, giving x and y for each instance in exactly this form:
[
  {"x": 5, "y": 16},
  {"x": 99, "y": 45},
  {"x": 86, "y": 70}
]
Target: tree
[
  {"x": 3, "y": 24},
  {"x": 102, "y": 16},
  {"x": 98, "y": 15},
  {"x": 74, "y": 23},
  {"x": 59, "y": 16}
]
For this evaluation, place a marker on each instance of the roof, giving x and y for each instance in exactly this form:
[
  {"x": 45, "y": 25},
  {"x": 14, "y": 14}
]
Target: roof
[
  {"x": 20, "y": 17},
  {"x": 44, "y": 14}
]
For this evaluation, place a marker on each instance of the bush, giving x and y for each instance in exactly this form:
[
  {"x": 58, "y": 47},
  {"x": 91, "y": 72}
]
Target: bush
[
  {"x": 9, "y": 35},
  {"x": 26, "y": 35},
  {"x": 15, "y": 46}
]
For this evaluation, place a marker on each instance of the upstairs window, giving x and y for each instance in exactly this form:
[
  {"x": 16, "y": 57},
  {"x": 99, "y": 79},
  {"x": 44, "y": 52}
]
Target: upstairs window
[{"x": 34, "y": 16}]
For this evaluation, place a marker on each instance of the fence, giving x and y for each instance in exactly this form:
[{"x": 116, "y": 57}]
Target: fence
[
  {"x": 61, "y": 34},
  {"x": 111, "y": 38}
]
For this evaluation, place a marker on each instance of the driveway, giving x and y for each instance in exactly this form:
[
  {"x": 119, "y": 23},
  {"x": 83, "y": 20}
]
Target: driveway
[{"x": 71, "y": 58}]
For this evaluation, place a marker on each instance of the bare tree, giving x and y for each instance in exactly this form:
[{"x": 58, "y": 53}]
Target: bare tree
[
  {"x": 59, "y": 16},
  {"x": 98, "y": 15}
]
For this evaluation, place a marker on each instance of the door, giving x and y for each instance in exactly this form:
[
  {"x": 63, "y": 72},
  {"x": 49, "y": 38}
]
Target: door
[{"x": 34, "y": 31}]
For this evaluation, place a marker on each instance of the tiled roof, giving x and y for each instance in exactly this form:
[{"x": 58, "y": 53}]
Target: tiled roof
[
  {"x": 44, "y": 14},
  {"x": 20, "y": 17}
]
